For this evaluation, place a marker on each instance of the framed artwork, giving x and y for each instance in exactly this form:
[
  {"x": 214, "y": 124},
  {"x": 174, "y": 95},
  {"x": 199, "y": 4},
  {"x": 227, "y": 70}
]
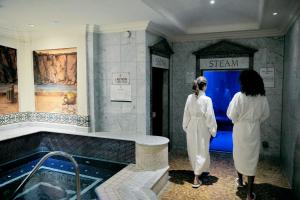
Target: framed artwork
[
  {"x": 55, "y": 80},
  {"x": 8, "y": 80}
]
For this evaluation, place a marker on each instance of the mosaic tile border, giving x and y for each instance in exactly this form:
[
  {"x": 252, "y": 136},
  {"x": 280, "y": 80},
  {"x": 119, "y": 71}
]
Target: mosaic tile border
[{"x": 19, "y": 117}]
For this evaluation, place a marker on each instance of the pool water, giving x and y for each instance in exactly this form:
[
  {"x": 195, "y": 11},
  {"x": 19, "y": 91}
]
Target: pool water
[{"x": 55, "y": 179}]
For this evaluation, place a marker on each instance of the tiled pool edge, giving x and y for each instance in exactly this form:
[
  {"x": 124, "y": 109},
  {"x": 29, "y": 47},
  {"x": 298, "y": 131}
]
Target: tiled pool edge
[
  {"x": 133, "y": 183},
  {"x": 143, "y": 180},
  {"x": 146, "y": 178},
  {"x": 15, "y": 130}
]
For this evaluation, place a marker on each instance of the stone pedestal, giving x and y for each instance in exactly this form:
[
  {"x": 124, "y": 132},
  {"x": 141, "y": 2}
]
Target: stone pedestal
[{"x": 152, "y": 152}]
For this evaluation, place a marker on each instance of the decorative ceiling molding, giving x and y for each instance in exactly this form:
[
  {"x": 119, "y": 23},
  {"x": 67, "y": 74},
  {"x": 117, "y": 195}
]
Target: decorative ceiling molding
[
  {"x": 147, "y": 26},
  {"x": 113, "y": 28},
  {"x": 228, "y": 35},
  {"x": 223, "y": 28}
]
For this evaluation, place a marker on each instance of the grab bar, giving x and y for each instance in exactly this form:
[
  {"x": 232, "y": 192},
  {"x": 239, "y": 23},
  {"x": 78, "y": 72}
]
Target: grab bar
[{"x": 39, "y": 164}]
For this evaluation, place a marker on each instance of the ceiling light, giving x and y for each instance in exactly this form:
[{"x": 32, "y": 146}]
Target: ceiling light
[
  {"x": 275, "y": 13},
  {"x": 55, "y": 22},
  {"x": 212, "y": 2},
  {"x": 30, "y": 25}
]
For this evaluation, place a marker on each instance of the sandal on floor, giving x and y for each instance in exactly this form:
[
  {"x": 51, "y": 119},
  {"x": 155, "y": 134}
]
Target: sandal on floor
[
  {"x": 237, "y": 183},
  {"x": 254, "y": 196},
  {"x": 197, "y": 185}
]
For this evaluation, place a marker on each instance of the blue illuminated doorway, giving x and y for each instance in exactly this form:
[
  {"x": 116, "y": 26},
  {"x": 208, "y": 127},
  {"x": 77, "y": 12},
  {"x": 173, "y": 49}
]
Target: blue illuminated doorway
[{"x": 222, "y": 85}]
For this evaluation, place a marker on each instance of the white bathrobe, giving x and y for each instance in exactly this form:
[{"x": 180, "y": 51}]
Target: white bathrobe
[
  {"x": 247, "y": 113},
  {"x": 199, "y": 123}
]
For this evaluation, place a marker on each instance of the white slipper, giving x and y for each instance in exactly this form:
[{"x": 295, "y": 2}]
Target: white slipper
[
  {"x": 237, "y": 183},
  {"x": 197, "y": 185}
]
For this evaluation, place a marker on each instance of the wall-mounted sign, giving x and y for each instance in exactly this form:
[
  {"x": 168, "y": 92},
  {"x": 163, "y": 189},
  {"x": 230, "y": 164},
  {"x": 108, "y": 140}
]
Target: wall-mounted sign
[
  {"x": 120, "y": 92},
  {"x": 225, "y": 63},
  {"x": 121, "y": 78},
  {"x": 268, "y": 76},
  {"x": 160, "y": 62},
  {"x": 120, "y": 89}
]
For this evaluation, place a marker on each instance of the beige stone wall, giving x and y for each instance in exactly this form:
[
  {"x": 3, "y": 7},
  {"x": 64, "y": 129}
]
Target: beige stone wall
[{"x": 26, "y": 44}]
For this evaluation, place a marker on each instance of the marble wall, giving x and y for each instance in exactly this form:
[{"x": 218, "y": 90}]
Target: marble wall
[
  {"x": 117, "y": 52},
  {"x": 269, "y": 54},
  {"x": 291, "y": 108}
]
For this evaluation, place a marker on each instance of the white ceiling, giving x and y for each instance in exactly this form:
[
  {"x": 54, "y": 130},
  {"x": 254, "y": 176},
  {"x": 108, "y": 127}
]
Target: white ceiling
[{"x": 177, "y": 19}]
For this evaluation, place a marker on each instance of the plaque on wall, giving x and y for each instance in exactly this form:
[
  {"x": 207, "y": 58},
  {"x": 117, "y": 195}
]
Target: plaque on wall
[
  {"x": 120, "y": 89},
  {"x": 121, "y": 78},
  {"x": 268, "y": 76},
  {"x": 160, "y": 62},
  {"x": 225, "y": 63}
]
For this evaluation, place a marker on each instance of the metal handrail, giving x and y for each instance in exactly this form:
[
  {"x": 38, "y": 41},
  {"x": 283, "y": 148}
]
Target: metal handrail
[{"x": 39, "y": 164}]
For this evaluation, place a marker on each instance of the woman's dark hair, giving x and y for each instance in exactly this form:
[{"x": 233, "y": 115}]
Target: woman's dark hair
[
  {"x": 201, "y": 85},
  {"x": 200, "y": 82},
  {"x": 252, "y": 83}
]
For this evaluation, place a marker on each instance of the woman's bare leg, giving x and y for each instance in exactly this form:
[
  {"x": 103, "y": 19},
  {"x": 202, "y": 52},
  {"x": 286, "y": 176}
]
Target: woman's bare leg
[{"x": 196, "y": 180}]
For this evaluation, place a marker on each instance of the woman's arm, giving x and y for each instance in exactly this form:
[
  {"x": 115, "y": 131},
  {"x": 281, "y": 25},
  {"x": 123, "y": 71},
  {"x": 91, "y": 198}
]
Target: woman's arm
[
  {"x": 210, "y": 118},
  {"x": 186, "y": 115},
  {"x": 233, "y": 109},
  {"x": 265, "y": 110}
]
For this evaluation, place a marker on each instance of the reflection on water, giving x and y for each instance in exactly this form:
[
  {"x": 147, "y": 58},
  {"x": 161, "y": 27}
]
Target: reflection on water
[{"x": 53, "y": 184}]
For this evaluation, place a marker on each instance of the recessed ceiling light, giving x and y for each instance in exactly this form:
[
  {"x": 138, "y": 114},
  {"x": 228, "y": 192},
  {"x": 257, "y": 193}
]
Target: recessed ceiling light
[
  {"x": 31, "y": 25},
  {"x": 275, "y": 13},
  {"x": 55, "y": 22},
  {"x": 212, "y": 2}
]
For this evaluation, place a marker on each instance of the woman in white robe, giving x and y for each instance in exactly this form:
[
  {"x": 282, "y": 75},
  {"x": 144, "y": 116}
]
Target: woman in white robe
[
  {"x": 199, "y": 123},
  {"x": 247, "y": 110}
]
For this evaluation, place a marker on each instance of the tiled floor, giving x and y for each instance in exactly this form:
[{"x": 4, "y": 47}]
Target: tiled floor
[{"x": 270, "y": 184}]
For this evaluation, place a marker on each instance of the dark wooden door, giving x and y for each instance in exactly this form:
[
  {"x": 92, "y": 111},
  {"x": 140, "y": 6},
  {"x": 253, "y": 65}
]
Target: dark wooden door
[{"x": 157, "y": 101}]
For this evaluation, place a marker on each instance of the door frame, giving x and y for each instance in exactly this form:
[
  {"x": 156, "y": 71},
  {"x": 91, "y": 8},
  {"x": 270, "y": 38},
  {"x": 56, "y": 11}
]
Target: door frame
[{"x": 161, "y": 49}]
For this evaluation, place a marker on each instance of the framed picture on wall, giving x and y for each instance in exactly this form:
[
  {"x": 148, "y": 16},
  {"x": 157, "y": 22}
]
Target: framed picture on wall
[
  {"x": 8, "y": 80},
  {"x": 55, "y": 80}
]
